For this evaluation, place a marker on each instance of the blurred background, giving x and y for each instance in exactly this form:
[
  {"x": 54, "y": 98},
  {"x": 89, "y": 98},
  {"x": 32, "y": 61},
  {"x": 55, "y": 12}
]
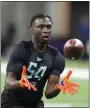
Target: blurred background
[{"x": 71, "y": 20}]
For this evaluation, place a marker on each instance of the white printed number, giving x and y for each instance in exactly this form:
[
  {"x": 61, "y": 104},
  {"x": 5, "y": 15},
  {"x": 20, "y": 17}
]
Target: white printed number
[{"x": 34, "y": 73}]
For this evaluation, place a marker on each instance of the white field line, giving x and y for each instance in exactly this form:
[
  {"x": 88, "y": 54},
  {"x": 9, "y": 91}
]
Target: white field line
[
  {"x": 54, "y": 105},
  {"x": 78, "y": 73},
  {"x": 61, "y": 105}
]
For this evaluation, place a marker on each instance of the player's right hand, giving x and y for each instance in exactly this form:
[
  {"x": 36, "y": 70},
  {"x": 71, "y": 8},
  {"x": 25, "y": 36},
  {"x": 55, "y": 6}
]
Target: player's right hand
[
  {"x": 24, "y": 81},
  {"x": 66, "y": 86}
]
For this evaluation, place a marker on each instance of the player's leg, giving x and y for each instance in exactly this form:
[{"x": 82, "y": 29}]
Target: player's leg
[
  {"x": 9, "y": 105},
  {"x": 8, "y": 101},
  {"x": 40, "y": 104},
  {"x": 18, "y": 107}
]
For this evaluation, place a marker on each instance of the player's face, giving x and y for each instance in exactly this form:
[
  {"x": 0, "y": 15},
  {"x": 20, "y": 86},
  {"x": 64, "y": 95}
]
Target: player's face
[{"x": 41, "y": 29}]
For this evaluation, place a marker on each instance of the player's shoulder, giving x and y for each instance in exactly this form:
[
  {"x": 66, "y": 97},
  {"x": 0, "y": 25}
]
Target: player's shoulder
[
  {"x": 53, "y": 50},
  {"x": 24, "y": 44},
  {"x": 55, "y": 53},
  {"x": 58, "y": 60}
]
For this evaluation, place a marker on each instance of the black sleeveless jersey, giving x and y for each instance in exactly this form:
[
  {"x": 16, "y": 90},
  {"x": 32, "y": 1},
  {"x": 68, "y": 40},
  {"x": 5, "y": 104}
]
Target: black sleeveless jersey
[{"x": 39, "y": 66}]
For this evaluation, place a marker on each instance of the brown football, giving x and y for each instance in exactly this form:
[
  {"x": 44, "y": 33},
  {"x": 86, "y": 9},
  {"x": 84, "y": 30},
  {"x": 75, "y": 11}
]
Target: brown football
[{"x": 73, "y": 49}]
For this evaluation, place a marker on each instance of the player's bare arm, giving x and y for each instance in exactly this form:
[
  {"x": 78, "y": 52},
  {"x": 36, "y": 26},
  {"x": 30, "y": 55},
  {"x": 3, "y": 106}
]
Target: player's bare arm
[
  {"x": 11, "y": 82},
  {"x": 53, "y": 79},
  {"x": 51, "y": 90}
]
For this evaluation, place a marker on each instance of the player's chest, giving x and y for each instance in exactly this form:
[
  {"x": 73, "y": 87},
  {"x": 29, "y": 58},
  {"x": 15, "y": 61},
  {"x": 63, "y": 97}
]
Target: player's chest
[{"x": 39, "y": 65}]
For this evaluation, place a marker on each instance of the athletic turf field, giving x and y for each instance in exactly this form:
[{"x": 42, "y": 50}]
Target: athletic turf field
[{"x": 80, "y": 75}]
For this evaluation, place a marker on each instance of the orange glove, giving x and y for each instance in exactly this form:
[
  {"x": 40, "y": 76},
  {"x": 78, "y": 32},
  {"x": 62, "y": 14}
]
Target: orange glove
[
  {"x": 65, "y": 85},
  {"x": 24, "y": 81}
]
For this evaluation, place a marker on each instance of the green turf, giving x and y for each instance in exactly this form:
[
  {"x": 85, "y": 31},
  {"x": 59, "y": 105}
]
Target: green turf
[
  {"x": 3, "y": 60},
  {"x": 80, "y": 97},
  {"x": 77, "y": 63},
  {"x": 2, "y": 81}
]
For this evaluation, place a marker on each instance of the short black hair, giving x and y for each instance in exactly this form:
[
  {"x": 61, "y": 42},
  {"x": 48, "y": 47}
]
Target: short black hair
[{"x": 41, "y": 16}]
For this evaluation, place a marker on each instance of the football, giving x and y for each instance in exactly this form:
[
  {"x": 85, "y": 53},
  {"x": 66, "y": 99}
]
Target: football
[{"x": 73, "y": 49}]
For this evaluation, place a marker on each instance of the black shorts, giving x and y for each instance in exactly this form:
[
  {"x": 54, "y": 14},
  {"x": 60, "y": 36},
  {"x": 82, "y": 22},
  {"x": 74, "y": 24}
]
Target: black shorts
[{"x": 8, "y": 101}]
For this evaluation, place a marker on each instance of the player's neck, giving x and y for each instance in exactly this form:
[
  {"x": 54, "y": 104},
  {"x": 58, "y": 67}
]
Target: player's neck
[{"x": 39, "y": 46}]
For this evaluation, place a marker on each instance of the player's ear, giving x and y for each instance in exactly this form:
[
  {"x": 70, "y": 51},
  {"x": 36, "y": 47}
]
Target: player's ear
[{"x": 31, "y": 29}]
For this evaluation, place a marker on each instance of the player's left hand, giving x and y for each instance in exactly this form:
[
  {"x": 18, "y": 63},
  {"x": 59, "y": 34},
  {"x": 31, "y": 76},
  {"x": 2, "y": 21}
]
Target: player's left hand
[
  {"x": 24, "y": 81},
  {"x": 66, "y": 86}
]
